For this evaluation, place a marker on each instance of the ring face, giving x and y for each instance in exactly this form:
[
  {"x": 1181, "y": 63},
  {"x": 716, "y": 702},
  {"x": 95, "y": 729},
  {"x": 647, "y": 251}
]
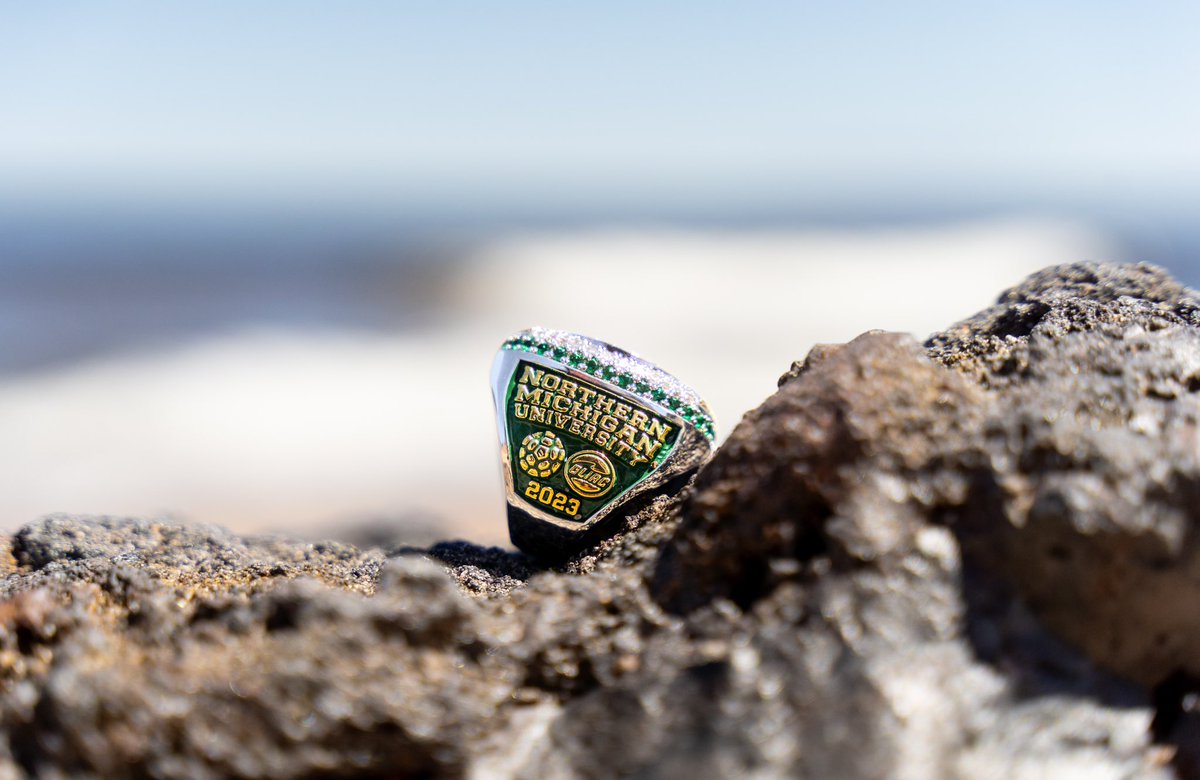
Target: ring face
[
  {"x": 585, "y": 429},
  {"x": 614, "y": 441}
]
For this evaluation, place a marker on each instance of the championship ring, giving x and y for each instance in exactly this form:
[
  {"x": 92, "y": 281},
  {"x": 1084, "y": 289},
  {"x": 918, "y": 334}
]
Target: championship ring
[{"x": 589, "y": 434}]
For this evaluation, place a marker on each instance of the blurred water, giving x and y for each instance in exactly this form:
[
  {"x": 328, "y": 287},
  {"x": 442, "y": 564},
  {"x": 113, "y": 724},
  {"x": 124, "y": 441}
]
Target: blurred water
[
  {"x": 74, "y": 288},
  {"x": 86, "y": 283}
]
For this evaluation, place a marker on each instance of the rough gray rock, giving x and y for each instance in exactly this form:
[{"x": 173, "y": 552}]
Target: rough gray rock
[{"x": 970, "y": 559}]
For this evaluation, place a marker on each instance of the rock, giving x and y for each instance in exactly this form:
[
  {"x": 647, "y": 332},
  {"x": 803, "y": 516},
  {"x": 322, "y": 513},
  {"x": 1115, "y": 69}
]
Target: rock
[
  {"x": 973, "y": 558},
  {"x": 1087, "y": 507},
  {"x": 788, "y": 490}
]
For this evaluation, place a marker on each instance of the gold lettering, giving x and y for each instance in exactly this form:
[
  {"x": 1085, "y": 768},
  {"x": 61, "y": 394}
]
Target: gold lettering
[
  {"x": 524, "y": 392},
  {"x": 659, "y": 429},
  {"x": 532, "y": 376},
  {"x": 647, "y": 446},
  {"x": 623, "y": 429}
]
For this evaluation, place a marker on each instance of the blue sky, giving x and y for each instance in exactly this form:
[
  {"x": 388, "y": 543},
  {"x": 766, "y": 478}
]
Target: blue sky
[{"x": 548, "y": 99}]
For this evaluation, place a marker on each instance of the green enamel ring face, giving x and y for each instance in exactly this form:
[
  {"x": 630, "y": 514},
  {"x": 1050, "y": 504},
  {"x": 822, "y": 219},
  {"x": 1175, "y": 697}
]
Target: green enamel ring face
[{"x": 588, "y": 434}]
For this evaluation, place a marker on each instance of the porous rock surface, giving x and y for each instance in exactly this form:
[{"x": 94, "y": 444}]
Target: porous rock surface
[{"x": 972, "y": 558}]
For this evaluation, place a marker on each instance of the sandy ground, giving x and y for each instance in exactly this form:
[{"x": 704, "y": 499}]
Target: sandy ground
[{"x": 302, "y": 431}]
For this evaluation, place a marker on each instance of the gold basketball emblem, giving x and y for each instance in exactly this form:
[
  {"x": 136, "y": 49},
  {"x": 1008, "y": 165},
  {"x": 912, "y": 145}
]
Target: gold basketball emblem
[{"x": 590, "y": 473}]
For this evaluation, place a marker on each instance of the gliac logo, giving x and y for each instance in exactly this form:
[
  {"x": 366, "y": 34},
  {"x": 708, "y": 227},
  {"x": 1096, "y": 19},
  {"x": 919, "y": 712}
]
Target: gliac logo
[{"x": 590, "y": 473}]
